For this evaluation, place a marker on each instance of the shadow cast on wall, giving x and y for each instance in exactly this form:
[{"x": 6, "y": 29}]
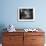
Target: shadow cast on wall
[{"x": 2, "y": 29}]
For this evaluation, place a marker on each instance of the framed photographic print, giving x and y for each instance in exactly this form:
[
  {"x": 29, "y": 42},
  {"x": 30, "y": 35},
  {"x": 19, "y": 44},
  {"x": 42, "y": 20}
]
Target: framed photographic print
[{"x": 26, "y": 14}]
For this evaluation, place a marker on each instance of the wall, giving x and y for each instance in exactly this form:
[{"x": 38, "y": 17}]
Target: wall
[{"x": 8, "y": 13}]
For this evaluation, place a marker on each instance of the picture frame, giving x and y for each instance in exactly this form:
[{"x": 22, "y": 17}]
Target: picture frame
[{"x": 26, "y": 14}]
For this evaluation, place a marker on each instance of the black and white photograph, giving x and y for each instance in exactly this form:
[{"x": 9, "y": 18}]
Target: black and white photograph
[{"x": 26, "y": 14}]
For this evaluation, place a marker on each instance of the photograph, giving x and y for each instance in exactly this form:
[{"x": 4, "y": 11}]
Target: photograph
[{"x": 26, "y": 14}]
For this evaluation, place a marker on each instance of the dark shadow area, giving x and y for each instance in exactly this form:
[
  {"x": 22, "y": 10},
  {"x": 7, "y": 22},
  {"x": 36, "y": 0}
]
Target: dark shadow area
[{"x": 2, "y": 29}]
